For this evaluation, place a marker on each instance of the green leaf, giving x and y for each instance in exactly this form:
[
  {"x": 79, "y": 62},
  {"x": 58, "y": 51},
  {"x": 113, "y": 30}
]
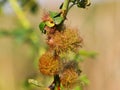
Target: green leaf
[
  {"x": 49, "y": 24},
  {"x": 34, "y": 82},
  {"x": 4, "y": 33},
  {"x": 33, "y": 7},
  {"x": 83, "y": 3},
  {"x": 61, "y": 87},
  {"x": 20, "y": 35},
  {"x": 78, "y": 88},
  {"x": 90, "y": 54},
  {"x": 84, "y": 80},
  {"x": 53, "y": 14},
  {"x": 78, "y": 57},
  {"x": 58, "y": 20},
  {"x": 42, "y": 26}
]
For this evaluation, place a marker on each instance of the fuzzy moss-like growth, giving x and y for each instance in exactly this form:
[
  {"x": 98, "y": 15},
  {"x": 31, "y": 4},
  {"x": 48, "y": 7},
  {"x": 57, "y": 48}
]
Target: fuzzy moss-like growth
[
  {"x": 69, "y": 75},
  {"x": 69, "y": 78},
  {"x": 49, "y": 64},
  {"x": 66, "y": 40}
]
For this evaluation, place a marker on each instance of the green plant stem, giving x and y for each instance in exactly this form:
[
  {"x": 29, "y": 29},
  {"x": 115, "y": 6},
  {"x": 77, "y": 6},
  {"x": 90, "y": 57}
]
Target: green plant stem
[
  {"x": 21, "y": 16},
  {"x": 65, "y": 7}
]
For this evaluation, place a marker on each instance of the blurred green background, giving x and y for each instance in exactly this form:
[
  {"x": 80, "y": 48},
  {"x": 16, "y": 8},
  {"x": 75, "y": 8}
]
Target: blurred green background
[{"x": 21, "y": 42}]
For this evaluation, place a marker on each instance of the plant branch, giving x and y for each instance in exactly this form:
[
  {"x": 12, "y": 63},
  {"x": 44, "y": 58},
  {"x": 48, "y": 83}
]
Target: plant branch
[
  {"x": 65, "y": 4},
  {"x": 21, "y": 16},
  {"x": 71, "y": 5},
  {"x": 55, "y": 84},
  {"x": 65, "y": 7}
]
